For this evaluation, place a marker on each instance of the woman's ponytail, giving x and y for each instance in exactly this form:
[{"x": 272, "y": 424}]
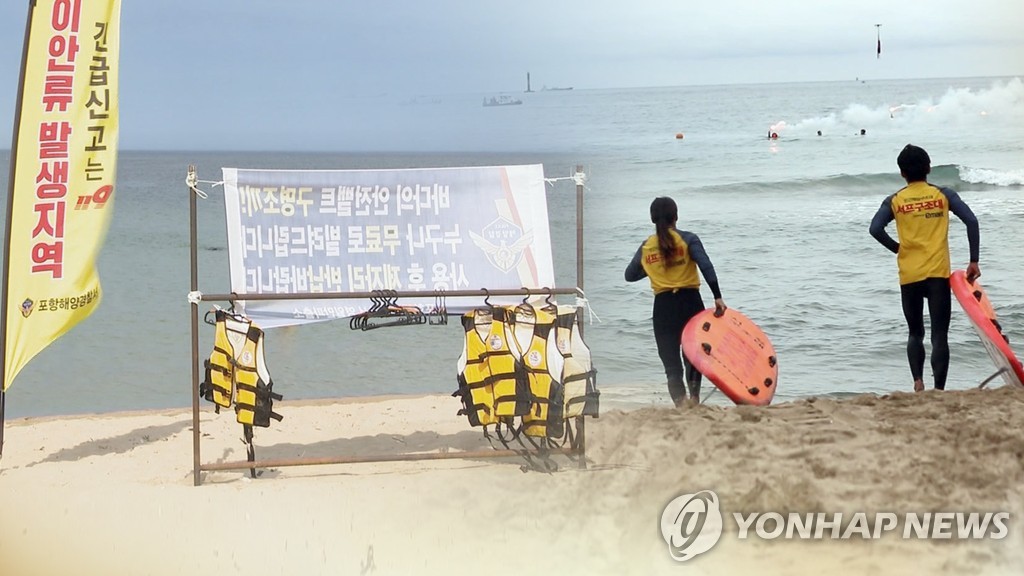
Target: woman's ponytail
[{"x": 664, "y": 215}]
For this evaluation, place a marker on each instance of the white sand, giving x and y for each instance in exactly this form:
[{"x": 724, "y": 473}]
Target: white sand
[{"x": 113, "y": 494}]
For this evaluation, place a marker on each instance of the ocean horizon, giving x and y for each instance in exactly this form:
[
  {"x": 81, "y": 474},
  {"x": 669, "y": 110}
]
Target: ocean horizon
[{"x": 784, "y": 221}]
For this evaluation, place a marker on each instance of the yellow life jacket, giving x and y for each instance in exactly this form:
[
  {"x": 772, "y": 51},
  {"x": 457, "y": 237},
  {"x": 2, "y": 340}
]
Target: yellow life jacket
[
  {"x": 511, "y": 389},
  {"x": 237, "y": 371},
  {"x": 921, "y": 211},
  {"x": 680, "y": 273},
  {"x": 538, "y": 359},
  {"x": 476, "y": 388},
  {"x": 578, "y": 377}
]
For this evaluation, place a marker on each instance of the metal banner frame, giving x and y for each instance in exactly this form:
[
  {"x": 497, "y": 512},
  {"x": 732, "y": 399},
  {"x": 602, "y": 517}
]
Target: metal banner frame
[{"x": 577, "y": 447}]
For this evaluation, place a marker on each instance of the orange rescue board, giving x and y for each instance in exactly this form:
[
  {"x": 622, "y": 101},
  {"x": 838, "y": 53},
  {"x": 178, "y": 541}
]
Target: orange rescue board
[
  {"x": 975, "y": 302},
  {"x": 734, "y": 354}
]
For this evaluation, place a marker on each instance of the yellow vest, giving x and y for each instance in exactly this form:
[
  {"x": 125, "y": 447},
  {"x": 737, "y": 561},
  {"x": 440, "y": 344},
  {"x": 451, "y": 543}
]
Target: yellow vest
[
  {"x": 237, "y": 371},
  {"x": 579, "y": 378},
  {"x": 922, "y": 224},
  {"x": 511, "y": 391},
  {"x": 474, "y": 374},
  {"x": 682, "y": 274},
  {"x": 531, "y": 333}
]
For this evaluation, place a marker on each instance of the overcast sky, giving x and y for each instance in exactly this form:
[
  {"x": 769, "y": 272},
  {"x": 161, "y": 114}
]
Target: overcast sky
[{"x": 240, "y": 58}]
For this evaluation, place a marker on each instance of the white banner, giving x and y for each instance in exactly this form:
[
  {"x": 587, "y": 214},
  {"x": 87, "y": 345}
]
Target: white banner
[{"x": 316, "y": 231}]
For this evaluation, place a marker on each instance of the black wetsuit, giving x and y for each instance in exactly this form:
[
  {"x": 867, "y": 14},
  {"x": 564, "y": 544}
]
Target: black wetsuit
[
  {"x": 921, "y": 211},
  {"x": 676, "y": 300}
]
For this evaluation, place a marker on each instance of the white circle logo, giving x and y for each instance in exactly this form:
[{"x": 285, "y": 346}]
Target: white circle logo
[
  {"x": 691, "y": 524},
  {"x": 495, "y": 342},
  {"x": 534, "y": 358},
  {"x": 563, "y": 345}
]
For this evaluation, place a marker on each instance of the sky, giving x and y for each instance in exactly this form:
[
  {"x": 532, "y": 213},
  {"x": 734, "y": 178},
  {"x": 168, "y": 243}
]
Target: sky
[{"x": 189, "y": 66}]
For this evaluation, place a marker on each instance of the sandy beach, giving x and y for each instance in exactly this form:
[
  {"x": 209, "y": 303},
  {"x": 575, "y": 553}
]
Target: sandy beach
[{"x": 113, "y": 493}]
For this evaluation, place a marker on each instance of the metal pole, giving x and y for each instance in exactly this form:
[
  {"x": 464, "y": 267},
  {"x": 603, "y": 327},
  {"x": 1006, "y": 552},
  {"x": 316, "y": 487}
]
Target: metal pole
[
  {"x": 3, "y": 402},
  {"x": 579, "y": 231},
  {"x": 992, "y": 377},
  {"x": 235, "y": 297},
  {"x": 282, "y": 462},
  {"x": 10, "y": 214},
  {"x": 581, "y": 428},
  {"x": 194, "y": 286},
  {"x": 579, "y": 449}
]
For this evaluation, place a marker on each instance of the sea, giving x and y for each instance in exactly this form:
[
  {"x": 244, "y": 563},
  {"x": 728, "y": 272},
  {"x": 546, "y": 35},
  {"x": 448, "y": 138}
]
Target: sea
[{"x": 785, "y": 222}]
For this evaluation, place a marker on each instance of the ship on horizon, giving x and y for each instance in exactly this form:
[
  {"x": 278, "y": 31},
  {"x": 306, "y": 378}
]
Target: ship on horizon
[{"x": 529, "y": 89}]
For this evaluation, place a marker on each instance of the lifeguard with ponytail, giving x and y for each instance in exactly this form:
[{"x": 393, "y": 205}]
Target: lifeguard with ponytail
[{"x": 670, "y": 259}]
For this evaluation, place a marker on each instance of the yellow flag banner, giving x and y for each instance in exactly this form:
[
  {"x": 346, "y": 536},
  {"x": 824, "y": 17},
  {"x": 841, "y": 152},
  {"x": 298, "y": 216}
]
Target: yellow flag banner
[{"x": 63, "y": 166}]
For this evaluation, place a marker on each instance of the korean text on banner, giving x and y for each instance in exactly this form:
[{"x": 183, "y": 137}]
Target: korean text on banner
[
  {"x": 63, "y": 167},
  {"x": 430, "y": 229}
]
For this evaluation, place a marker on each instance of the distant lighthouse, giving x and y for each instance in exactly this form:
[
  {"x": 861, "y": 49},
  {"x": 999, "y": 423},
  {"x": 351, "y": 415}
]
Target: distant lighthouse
[{"x": 528, "y": 82}]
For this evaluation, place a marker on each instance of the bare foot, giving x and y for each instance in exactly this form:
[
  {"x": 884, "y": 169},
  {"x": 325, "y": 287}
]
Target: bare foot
[
  {"x": 687, "y": 403},
  {"x": 918, "y": 386}
]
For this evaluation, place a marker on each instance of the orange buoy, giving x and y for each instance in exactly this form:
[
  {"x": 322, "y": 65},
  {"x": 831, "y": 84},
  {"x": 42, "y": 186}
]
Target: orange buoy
[{"x": 679, "y": 135}]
